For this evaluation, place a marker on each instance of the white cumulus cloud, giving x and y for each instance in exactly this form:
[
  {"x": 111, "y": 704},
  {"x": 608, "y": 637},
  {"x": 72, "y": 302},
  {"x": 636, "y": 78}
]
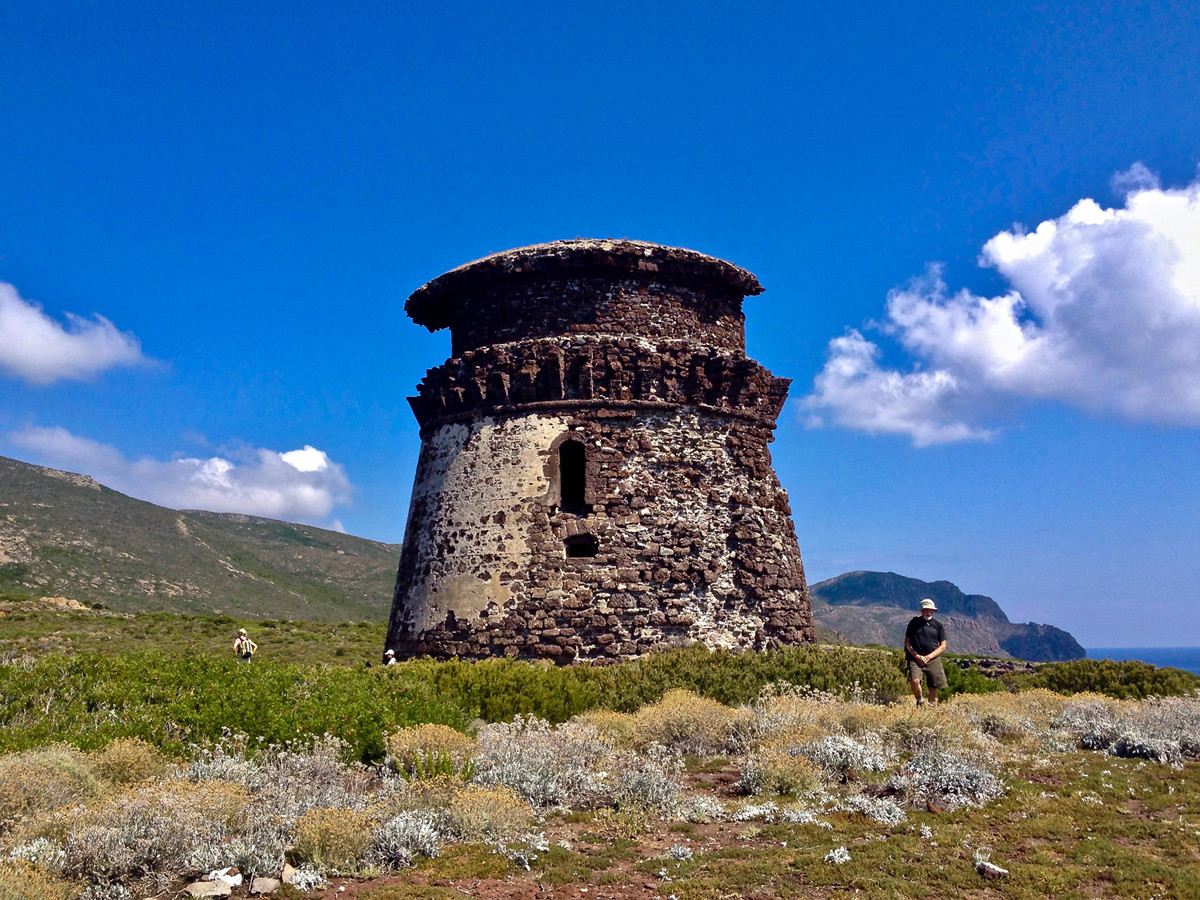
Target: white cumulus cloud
[
  {"x": 40, "y": 350},
  {"x": 298, "y": 485},
  {"x": 1103, "y": 314}
]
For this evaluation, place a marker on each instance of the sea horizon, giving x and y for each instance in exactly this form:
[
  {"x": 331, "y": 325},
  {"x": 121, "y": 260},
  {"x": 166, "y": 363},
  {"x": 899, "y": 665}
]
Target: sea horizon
[{"x": 1186, "y": 658}]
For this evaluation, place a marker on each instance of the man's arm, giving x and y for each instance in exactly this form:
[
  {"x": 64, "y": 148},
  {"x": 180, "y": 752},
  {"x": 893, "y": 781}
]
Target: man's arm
[{"x": 923, "y": 660}]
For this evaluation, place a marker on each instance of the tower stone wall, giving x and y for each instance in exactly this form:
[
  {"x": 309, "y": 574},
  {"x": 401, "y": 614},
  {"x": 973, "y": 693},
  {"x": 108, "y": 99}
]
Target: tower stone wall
[{"x": 594, "y": 479}]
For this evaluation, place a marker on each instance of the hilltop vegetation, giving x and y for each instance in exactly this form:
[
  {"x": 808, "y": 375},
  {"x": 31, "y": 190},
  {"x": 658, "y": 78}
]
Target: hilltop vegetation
[{"x": 66, "y": 535}]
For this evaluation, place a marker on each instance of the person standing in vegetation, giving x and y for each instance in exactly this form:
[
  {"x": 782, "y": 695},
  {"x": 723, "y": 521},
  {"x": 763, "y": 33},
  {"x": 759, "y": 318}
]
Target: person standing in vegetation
[
  {"x": 243, "y": 647},
  {"x": 924, "y": 642}
]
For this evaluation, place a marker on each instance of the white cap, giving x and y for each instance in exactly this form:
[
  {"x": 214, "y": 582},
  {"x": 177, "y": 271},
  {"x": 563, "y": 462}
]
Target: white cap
[
  {"x": 390, "y": 653},
  {"x": 928, "y": 604}
]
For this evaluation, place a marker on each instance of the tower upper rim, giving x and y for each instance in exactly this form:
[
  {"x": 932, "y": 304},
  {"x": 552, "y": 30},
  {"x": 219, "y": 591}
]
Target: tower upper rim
[{"x": 431, "y": 304}]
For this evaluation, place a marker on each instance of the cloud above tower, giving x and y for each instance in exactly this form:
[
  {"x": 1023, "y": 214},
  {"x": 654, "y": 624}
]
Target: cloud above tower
[
  {"x": 1102, "y": 313},
  {"x": 296, "y": 485},
  {"x": 39, "y": 349}
]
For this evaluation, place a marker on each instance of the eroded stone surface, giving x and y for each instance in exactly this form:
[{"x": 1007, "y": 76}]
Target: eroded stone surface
[{"x": 634, "y": 353}]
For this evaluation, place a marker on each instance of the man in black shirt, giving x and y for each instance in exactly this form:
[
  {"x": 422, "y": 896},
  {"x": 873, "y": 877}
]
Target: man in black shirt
[{"x": 924, "y": 642}]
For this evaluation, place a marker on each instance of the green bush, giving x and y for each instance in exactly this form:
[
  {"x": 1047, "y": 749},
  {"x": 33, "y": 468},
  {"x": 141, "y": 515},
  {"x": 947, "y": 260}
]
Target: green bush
[
  {"x": 172, "y": 702},
  {"x": 968, "y": 680},
  {"x": 1129, "y": 680},
  {"x": 736, "y": 678},
  {"x": 499, "y": 689}
]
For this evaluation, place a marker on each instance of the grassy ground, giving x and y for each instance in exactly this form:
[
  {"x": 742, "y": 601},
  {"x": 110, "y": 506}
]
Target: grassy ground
[
  {"x": 1122, "y": 820},
  {"x": 1136, "y": 835},
  {"x": 29, "y": 627},
  {"x": 1070, "y": 823}
]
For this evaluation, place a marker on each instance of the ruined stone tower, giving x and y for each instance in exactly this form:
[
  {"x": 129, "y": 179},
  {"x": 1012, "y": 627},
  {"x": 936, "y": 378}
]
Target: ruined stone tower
[{"x": 594, "y": 480}]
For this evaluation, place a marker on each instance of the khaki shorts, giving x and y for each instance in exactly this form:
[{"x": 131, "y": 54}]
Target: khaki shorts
[{"x": 935, "y": 675}]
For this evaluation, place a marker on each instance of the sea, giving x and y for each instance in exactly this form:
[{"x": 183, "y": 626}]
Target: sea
[{"x": 1187, "y": 658}]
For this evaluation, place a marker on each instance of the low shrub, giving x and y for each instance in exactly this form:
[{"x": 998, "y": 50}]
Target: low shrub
[
  {"x": 127, "y": 761},
  {"x": 334, "y": 841},
  {"x": 173, "y": 701},
  {"x": 646, "y": 782},
  {"x": 485, "y": 813},
  {"x": 157, "y": 828},
  {"x": 497, "y": 690},
  {"x": 947, "y": 780},
  {"x": 878, "y": 809},
  {"x": 701, "y": 808},
  {"x": 839, "y": 757},
  {"x": 401, "y": 839},
  {"x": 1173, "y": 719},
  {"x": 48, "y": 778},
  {"x": 962, "y": 679},
  {"x": 1165, "y": 730},
  {"x": 292, "y": 778},
  {"x": 47, "y": 855},
  {"x": 735, "y": 678},
  {"x": 425, "y": 751},
  {"x": 686, "y": 723},
  {"x": 545, "y": 765},
  {"x": 770, "y": 769},
  {"x": 1094, "y": 722}
]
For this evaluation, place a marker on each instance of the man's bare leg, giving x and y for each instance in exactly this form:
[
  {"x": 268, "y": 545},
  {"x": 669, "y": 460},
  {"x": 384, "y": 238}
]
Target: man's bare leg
[{"x": 915, "y": 684}]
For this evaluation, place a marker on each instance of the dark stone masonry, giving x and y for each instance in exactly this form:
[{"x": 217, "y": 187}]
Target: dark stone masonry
[{"x": 594, "y": 479}]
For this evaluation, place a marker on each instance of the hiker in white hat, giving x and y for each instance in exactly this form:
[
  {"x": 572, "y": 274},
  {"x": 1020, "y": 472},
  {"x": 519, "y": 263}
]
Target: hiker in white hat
[
  {"x": 924, "y": 642},
  {"x": 243, "y": 647},
  {"x": 389, "y": 658}
]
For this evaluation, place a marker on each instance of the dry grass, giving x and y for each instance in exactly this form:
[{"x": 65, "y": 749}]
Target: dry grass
[
  {"x": 36, "y": 781},
  {"x": 417, "y": 751},
  {"x": 476, "y": 813},
  {"x": 334, "y": 840},
  {"x": 22, "y": 881},
  {"x": 892, "y": 784},
  {"x": 128, "y": 761},
  {"x": 771, "y": 770},
  {"x": 616, "y": 728},
  {"x": 688, "y": 723}
]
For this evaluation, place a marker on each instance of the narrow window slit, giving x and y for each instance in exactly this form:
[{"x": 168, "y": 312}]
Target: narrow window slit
[{"x": 572, "y": 478}]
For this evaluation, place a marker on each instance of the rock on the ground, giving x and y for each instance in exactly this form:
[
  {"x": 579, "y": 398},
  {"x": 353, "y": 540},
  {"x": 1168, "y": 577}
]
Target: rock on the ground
[
  {"x": 264, "y": 885},
  {"x": 208, "y": 889},
  {"x": 991, "y": 870}
]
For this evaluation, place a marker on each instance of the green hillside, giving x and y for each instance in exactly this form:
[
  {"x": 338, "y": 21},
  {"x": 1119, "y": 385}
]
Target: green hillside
[{"x": 66, "y": 535}]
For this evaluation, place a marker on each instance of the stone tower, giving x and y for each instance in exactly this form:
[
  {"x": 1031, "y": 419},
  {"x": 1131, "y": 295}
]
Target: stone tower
[{"x": 594, "y": 480}]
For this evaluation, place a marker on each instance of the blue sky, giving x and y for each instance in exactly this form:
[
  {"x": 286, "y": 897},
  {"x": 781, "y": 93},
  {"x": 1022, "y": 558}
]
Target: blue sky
[{"x": 978, "y": 227}]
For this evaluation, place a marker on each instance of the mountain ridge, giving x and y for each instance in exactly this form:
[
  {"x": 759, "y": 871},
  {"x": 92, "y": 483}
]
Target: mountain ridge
[{"x": 875, "y": 607}]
